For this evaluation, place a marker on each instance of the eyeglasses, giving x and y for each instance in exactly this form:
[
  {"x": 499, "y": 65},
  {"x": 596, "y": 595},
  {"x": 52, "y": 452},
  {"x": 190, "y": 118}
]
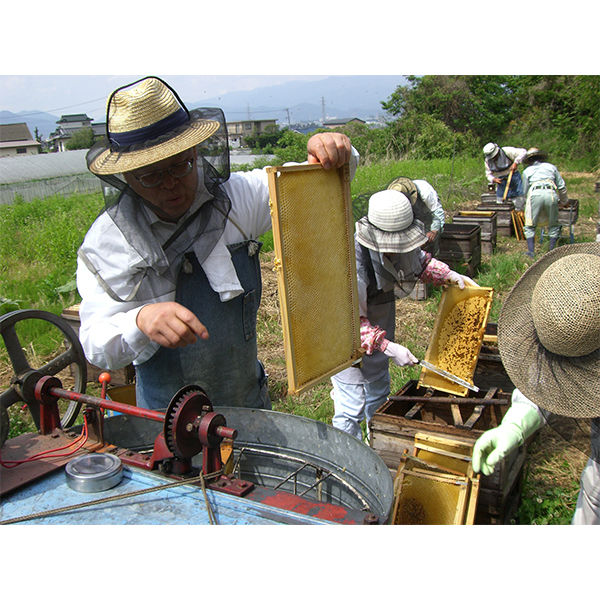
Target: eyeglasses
[{"x": 155, "y": 178}]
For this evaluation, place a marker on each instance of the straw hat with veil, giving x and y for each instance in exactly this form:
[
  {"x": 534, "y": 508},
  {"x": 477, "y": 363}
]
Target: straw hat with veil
[{"x": 147, "y": 122}]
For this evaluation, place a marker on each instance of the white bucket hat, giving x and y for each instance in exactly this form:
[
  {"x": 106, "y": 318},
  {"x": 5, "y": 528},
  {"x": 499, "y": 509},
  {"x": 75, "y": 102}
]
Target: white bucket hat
[
  {"x": 490, "y": 150},
  {"x": 390, "y": 225}
]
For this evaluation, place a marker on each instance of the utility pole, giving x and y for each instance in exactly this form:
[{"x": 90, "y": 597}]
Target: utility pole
[
  {"x": 323, "y": 109},
  {"x": 248, "y": 112},
  {"x": 288, "y": 116}
]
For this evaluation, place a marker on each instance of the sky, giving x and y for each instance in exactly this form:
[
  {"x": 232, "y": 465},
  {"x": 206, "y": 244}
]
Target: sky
[
  {"x": 57, "y": 94},
  {"x": 75, "y": 54}
]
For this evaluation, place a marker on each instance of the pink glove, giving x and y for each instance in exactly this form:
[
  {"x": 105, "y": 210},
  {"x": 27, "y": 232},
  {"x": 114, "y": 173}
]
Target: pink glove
[
  {"x": 460, "y": 280},
  {"x": 400, "y": 355}
]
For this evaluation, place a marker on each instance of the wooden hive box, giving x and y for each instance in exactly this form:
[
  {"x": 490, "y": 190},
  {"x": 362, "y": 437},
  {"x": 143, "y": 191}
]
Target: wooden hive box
[
  {"x": 487, "y": 221},
  {"x": 568, "y": 212},
  {"x": 460, "y": 246},
  {"x": 416, "y": 410},
  {"x": 504, "y": 224},
  {"x": 488, "y": 197}
]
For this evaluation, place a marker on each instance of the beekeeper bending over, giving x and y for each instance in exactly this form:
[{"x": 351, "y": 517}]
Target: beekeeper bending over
[{"x": 389, "y": 262}]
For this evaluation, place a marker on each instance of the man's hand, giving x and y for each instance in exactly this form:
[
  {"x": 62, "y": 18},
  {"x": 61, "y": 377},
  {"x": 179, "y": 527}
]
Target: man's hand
[
  {"x": 497, "y": 180},
  {"x": 170, "y": 324},
  {"x": 332, "y": 150},
  {"x": 513, "y": 167},
  {"x": 431, "y": 235}
]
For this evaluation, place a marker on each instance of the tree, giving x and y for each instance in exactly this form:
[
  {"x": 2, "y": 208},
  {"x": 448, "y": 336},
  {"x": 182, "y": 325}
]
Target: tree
[
  {"x": 291, "y": 147},
  {"x": 479, "y": 104},
  {"x": 82, "y": 138},
  {"x": 560, "y": 113},
  {"x": 268, "y": 138}
]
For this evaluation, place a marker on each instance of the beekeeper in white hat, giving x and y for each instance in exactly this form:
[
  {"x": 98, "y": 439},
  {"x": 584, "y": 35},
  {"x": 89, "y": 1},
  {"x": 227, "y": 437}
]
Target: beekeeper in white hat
[
  {"x": 389, "y": 262},
  {"x": 499, "y": 163}
]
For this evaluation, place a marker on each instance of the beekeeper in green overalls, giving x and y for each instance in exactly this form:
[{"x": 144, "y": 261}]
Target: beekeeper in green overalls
[{"x": 544, "y": 187}]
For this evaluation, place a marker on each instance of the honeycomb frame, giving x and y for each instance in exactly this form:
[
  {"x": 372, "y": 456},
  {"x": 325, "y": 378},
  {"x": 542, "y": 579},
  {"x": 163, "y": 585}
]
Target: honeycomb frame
[{"x": 313, "y": 236}]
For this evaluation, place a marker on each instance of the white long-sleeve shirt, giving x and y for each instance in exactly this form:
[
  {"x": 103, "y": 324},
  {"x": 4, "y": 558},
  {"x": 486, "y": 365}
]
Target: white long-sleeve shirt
[
  {"x": 432, "y": 201},
  {"x": 109, "y": 335}
]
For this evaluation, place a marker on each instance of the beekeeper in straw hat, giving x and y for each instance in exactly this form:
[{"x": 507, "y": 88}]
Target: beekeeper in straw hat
[
  {"x": 389, "y": 262},
  {"x": 499, "y": 163},
  {"x": 549, "y": 342},
  {"x": 169, "y": 273},
  {"x": 426, "y": 206}
]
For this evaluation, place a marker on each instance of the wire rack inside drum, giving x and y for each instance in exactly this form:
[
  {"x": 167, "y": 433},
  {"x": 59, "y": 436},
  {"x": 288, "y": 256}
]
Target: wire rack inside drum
[{"x": 307, "y": 477}]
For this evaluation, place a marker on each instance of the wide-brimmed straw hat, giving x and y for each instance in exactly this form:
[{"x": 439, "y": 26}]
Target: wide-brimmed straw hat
[
  {"x": 390, "y": 225},
  {"x": 146, "y": 122},
  {"x": 406, "y": 186},
  {"x": 534, "y": 154},
  {"x": 549, "y": 331},
  {"x": 490, "y": 150}
]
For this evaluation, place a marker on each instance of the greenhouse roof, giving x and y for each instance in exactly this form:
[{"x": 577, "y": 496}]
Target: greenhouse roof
[{"x": 42, "y": 166}]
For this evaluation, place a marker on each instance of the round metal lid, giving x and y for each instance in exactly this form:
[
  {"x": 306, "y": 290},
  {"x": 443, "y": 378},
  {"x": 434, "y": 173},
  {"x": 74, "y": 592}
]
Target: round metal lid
[{"x": 94, "y": 472}]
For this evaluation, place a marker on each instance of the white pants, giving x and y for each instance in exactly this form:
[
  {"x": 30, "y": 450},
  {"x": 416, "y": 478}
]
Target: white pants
[
  {"x": 587, "y": 511},
  {"x": 354, "y": 402}
]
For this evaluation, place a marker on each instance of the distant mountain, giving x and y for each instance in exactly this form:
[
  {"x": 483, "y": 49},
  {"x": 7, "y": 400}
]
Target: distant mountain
[
  {"x": 337, "y": 96},
  {"x": 45, "y": 122}
]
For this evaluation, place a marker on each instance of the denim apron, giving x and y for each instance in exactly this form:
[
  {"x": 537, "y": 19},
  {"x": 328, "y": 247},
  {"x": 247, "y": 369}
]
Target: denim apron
[{"x": 226, "y": 364}]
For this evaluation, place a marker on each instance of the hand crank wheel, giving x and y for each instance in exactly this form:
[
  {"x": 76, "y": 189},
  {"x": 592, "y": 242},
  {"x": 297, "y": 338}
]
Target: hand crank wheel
[{"x": 72, "y": 356}]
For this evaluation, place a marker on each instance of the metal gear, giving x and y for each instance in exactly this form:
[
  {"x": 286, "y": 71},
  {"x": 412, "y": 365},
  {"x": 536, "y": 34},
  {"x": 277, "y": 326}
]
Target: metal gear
[{"x": 187, "y": 405}]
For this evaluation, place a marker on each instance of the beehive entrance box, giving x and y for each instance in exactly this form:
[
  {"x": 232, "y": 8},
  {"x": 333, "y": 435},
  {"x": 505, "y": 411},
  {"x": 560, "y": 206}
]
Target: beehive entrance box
[
  {"x": 316, "y": 271},
  {"x": 486, "y": 221},
  {"x": 456, "y": 337},
  {"x": 460, "y": 246}
]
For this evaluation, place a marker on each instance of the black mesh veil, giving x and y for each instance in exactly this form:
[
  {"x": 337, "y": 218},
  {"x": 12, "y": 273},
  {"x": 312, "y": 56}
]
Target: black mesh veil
[
  {"x": 201, "y": 227},
  {"x": 580, "y": 433}
]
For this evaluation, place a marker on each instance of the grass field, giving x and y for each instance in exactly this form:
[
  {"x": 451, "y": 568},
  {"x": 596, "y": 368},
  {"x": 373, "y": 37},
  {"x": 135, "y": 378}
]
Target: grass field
[{"x": 39, "y": 241}]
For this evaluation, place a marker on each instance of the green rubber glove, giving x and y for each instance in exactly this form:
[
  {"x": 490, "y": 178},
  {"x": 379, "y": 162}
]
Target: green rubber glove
[{"x": 519, "y": 422}]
